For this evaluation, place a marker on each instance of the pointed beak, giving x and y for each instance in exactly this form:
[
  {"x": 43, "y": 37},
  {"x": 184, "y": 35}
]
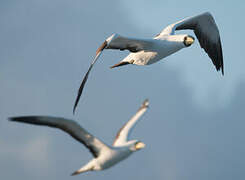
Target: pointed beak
[
  {"x": 189, "y": 40},
  {"x": 140, "y": 145},
  {"x": 120, "y": 64}
]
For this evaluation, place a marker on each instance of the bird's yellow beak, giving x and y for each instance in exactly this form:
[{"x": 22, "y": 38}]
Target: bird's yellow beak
[
  {"x": 139, "y": 145},
  {"x": 189, "y": 40}
]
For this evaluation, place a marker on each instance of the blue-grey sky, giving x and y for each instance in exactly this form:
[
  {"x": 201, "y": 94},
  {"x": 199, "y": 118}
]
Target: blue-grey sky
[{"x": 194, "y": 128}]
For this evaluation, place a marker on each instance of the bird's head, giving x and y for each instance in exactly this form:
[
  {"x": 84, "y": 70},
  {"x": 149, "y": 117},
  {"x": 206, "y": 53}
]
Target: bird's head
[
  {"x": 188, "y": 40},
  {"x": 136, "y": 145}
]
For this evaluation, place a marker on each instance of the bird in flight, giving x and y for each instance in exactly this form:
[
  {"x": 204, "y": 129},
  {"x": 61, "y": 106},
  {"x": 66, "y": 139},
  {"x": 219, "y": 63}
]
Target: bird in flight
[
  {"x": 149, "y": 51},
  {"x": 105, "y": 156}
]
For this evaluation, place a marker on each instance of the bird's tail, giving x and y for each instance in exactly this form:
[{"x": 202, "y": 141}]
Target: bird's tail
[
  {"x": 122, "y": 63},
  {"x": 82, "y": 170}
]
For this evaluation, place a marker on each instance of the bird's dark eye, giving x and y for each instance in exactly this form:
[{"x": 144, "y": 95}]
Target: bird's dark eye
[{"x": 185, "y": 42}]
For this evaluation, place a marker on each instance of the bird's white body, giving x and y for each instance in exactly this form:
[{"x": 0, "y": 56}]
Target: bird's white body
[
  {"x": 107, "y": 159},
  {"x": 158, "y": 49}
]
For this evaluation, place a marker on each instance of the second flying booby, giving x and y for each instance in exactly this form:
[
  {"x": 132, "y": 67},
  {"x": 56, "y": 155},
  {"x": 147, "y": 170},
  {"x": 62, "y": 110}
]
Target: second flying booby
[
  {"x": 149, "y": 51},
  {"x": 105, "y": 156}
]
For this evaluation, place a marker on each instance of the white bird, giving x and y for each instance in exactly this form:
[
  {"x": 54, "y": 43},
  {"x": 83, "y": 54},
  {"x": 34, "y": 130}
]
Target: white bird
[
  {"x": 149, "y": 51},
  {"x": 105, "y": 156}
]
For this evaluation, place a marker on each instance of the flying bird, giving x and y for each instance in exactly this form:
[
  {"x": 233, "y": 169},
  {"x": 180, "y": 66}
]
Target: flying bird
[
  {"x": 149, "y": 51},
  {"x": 105, "y": 156}
]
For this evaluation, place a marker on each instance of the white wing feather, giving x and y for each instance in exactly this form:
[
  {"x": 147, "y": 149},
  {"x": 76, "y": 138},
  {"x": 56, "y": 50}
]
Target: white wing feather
[{"x": 124, "y": 132}]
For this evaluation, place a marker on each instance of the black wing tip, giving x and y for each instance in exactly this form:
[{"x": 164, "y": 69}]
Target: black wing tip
[
  {"x": 12, "y": 118},
  {"x": 221, "y": 57},
  {"x": 79, "y": 94},
  {"x": 77, "y": 99},
  {"x": 23, "y": 118},
  {"x": 222, "y": 70},
  {"x": 18, "y": 118},
  {"x": 74, "y": 108},
  {"x": 221, "y": 64}
]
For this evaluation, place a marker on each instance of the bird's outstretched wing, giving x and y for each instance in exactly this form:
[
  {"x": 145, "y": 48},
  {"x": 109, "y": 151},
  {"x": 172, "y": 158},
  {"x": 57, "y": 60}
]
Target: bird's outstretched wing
[
  {"x": 114, "y": 42},
  {"x": 124, "y": 132},
  {"x": 69, "y": 126},
  {"x": 79, "y": 93},
  {"x": 125, "y": 43},
  {"x": 207, "y": 34}
]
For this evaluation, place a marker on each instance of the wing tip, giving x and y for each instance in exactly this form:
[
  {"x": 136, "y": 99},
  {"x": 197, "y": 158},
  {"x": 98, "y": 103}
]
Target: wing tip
[
  {"x": 22, "y": 119},
  {"x": 220, "y": 58},
  {"x": 74, "y": 110},
  {"x": 11, "y": 118},
  {"x": 17, "y": 118},
  {"x": 222, "y": 70},
  {"x": 80, "y": 90},
  {"x": 75, "y": 106},
  {"x": 145, "y": 104},
  {"x": 76, "y": 103}
]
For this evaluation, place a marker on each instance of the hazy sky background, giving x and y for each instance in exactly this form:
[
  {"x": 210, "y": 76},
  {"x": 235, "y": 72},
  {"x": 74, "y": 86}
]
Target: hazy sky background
[{"x": 194, "y": 128}]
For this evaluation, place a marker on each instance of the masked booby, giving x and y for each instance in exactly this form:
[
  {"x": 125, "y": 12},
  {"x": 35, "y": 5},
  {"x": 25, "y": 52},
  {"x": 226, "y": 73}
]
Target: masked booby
[
  {"x": 105, "y": 156},
  {"x": 149, "y": 51}
]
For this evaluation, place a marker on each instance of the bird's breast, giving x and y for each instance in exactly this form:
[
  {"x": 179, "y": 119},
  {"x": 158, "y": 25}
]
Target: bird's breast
[
  {"x": 112, "y": 158},
  {"x": 143, "y": 57},
  {"x": 160, "y": 50},
  {"x": 164, "y": 48}
]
